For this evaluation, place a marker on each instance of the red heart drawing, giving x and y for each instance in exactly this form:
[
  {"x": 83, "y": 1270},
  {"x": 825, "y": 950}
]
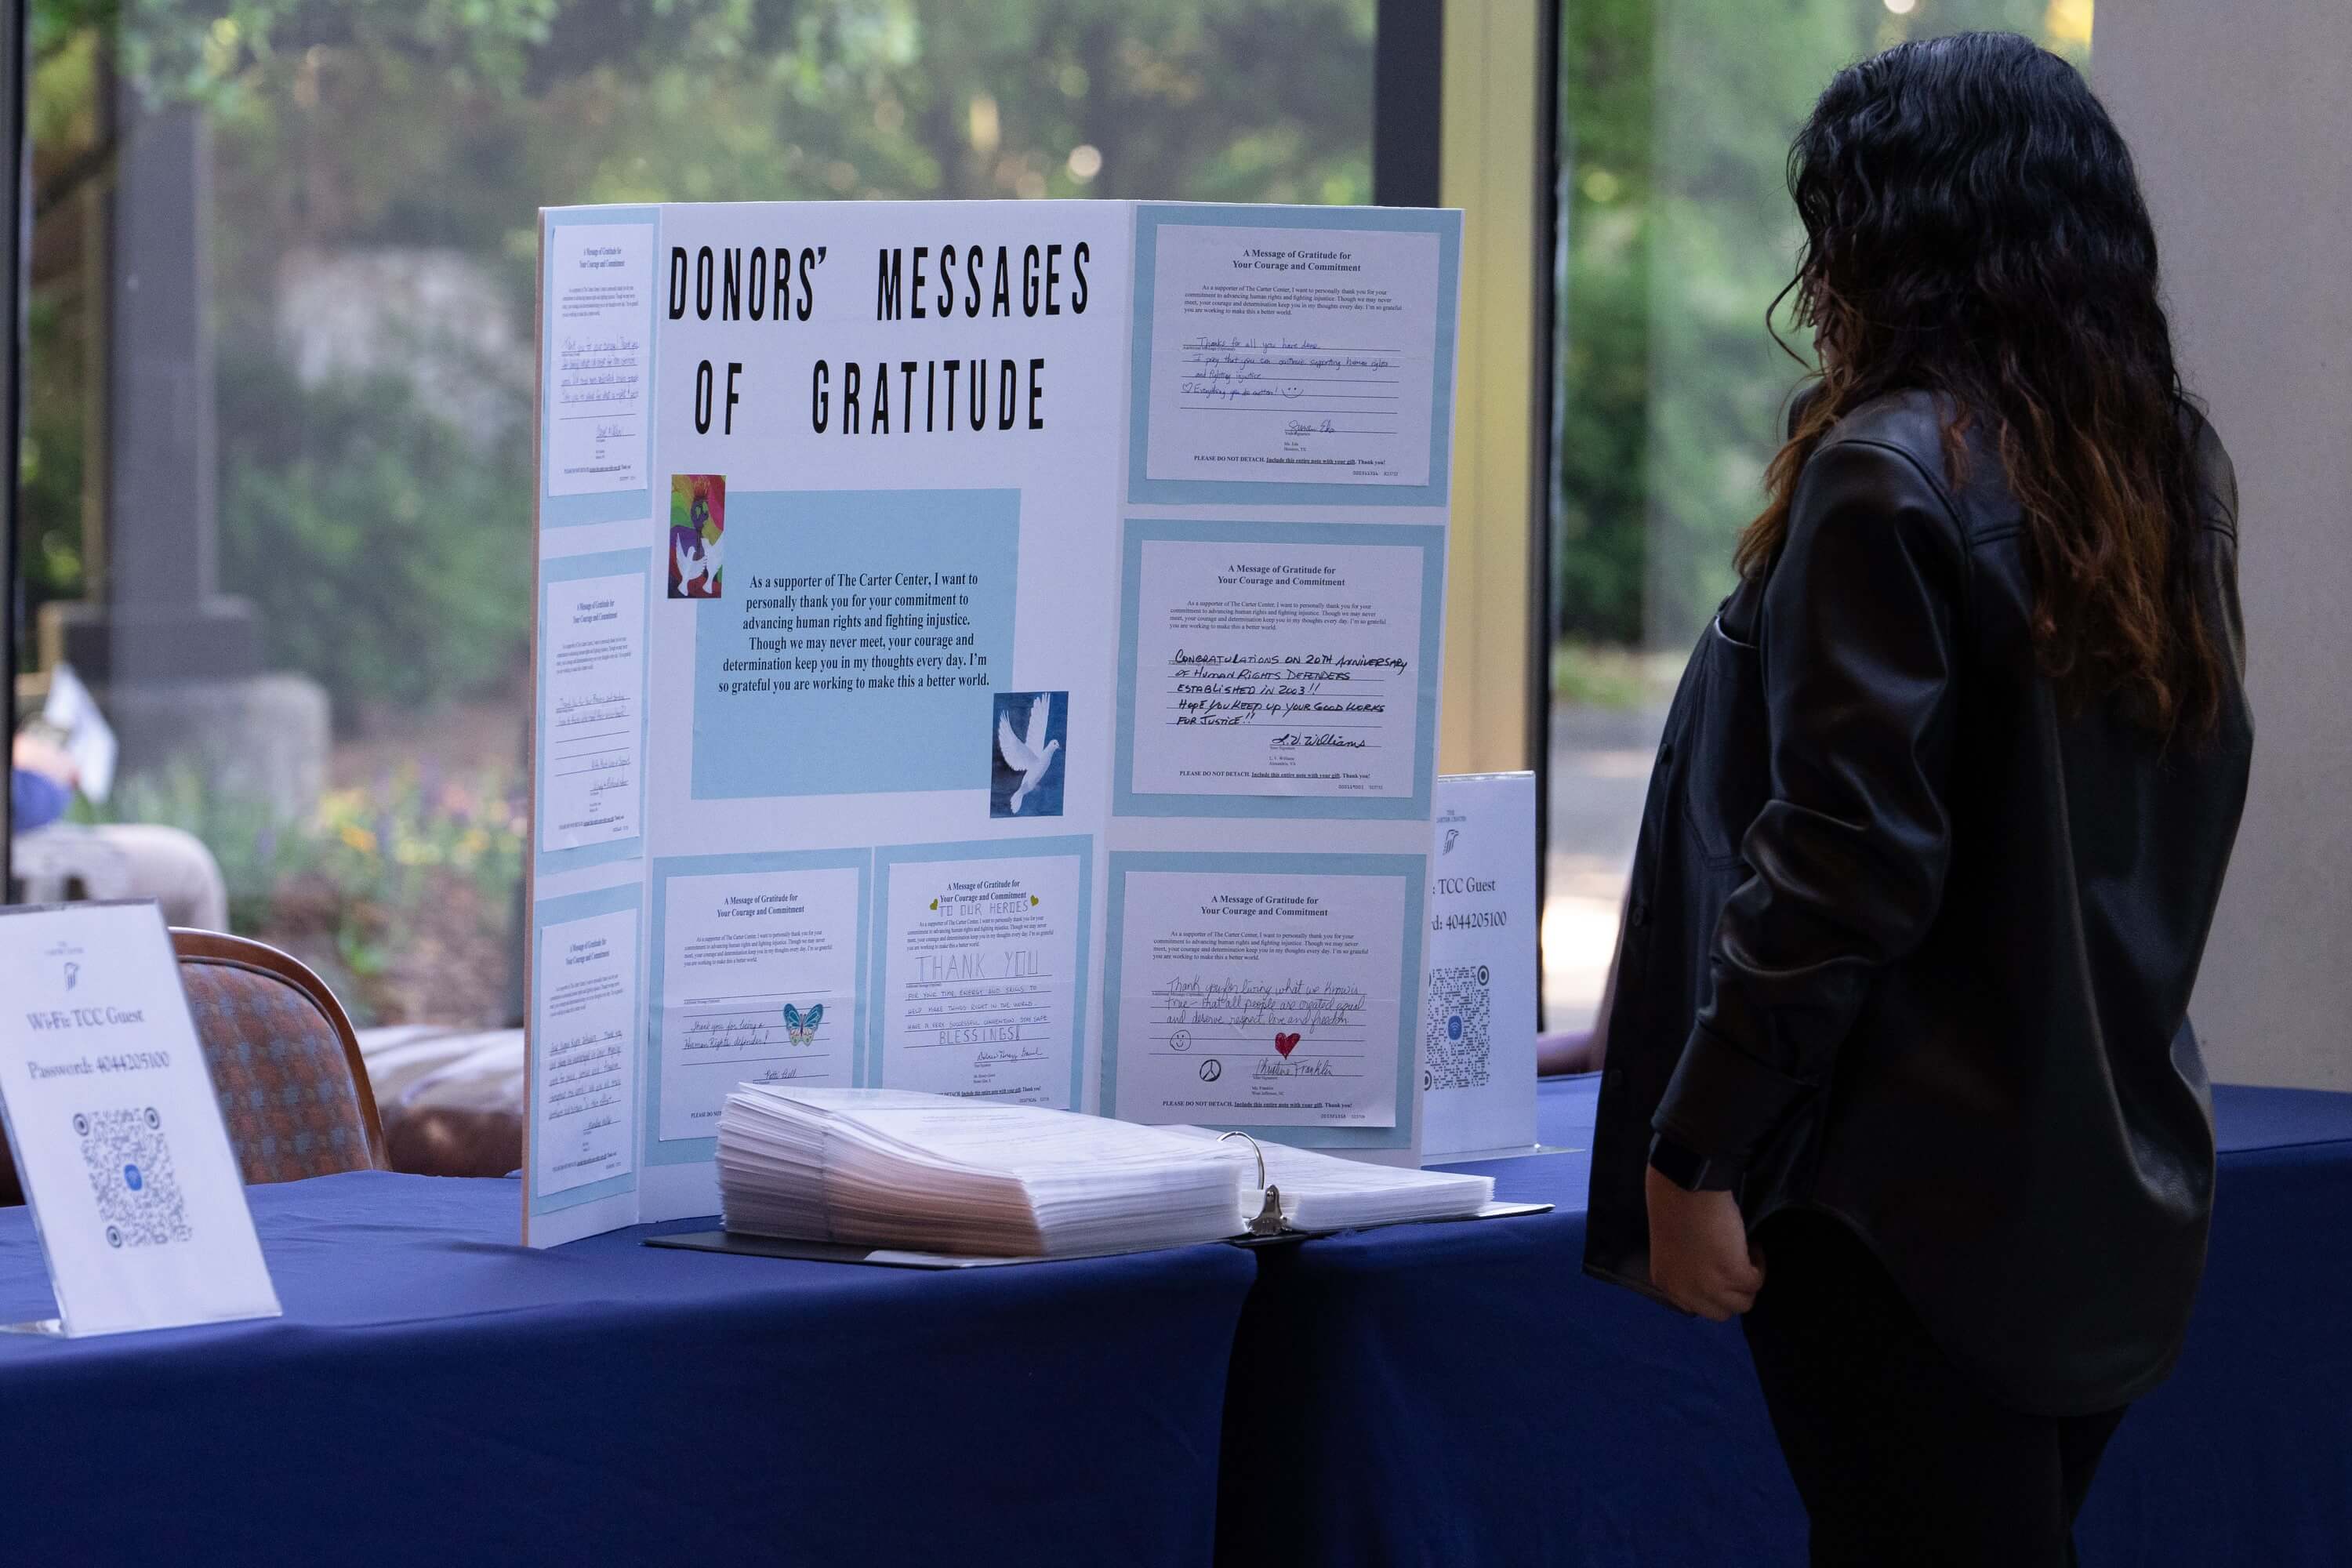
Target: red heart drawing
[{"x": 1283, "y": 1042}]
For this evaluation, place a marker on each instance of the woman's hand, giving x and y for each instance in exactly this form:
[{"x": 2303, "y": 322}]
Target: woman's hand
[{"x": 1699, "y": 1254}]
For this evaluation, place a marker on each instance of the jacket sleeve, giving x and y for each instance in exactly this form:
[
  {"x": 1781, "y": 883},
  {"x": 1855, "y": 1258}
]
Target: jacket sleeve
[{"x": 1858, "y": 631}]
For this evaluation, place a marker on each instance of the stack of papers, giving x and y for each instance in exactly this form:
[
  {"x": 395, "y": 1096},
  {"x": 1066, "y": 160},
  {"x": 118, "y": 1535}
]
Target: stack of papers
[
  {"x": 895, "y": 1168},
  {"x": 891, "y": 1168}
]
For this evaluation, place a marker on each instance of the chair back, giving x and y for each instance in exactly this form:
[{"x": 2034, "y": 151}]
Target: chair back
[{"x": 285, "y": 1062}]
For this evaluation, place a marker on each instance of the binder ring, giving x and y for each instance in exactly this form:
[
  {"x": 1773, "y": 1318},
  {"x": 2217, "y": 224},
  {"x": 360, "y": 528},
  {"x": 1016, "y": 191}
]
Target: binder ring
[
  {"x": 1254, "y": 1149},
  {"x": 1269, "y": 1217}
]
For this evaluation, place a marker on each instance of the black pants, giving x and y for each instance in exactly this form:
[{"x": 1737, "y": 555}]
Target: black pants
[{"x": 1900, "y": 1458}]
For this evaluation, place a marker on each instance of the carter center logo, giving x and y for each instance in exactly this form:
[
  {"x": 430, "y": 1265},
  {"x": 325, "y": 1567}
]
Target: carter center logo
[{"x": 63, "y": 963}]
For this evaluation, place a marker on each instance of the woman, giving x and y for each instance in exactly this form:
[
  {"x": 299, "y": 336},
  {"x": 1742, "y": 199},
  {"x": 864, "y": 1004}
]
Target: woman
[{"x": 1900, "y": 1067}]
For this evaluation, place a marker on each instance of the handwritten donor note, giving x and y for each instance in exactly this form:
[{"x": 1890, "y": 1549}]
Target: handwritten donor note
[
  {"x": 585, "y": 1050},
  {"x": 759, "y": 985},
  {"x": 981, "y": 978},
  {"x": 602, "y": 324},
  {"x": 1298, "y": 355},
  {"x": 593, "y": 636},
  {"x": 1289, "y": 670},
  {"x": 1256, "y": 1000}
]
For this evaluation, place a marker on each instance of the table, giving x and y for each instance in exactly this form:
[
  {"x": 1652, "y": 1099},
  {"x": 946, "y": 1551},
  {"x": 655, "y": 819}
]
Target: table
[
  {"x": 1431, "y": 1394},
  {"x": 2245, "y": 1455},
  {"x": 1463, "y": 1393},
  {"x": 442, "y": 1396}
]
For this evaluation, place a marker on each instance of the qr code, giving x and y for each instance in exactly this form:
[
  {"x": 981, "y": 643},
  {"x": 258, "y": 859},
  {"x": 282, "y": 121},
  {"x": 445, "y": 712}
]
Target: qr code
[
  {"x": 1454, "y": 1052},
  {"x": 129, "y": 1165}
]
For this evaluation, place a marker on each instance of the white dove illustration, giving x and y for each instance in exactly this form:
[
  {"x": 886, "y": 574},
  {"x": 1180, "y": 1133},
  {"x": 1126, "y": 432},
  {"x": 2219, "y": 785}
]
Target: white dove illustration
[{"x": 1031, "y": 757}]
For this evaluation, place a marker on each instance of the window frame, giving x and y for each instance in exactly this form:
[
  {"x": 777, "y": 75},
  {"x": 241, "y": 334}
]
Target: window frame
[{"x": 14, "y": 16}]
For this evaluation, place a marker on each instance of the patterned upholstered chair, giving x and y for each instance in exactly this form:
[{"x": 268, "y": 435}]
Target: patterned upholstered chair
[{"x": 285, "y": 1063}]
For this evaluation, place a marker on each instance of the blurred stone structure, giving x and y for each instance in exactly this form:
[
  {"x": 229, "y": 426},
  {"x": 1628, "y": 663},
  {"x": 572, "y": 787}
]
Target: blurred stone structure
[{"x": 174, "y": 663}]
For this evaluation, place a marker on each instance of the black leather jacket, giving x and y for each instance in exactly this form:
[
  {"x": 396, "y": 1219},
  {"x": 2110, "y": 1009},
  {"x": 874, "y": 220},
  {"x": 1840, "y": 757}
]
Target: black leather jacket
[{"x": 1908, "y": 941}]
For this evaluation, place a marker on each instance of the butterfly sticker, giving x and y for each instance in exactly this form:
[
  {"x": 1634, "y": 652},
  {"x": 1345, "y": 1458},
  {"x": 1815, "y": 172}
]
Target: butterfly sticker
[{"x": 802, "y": 1027}]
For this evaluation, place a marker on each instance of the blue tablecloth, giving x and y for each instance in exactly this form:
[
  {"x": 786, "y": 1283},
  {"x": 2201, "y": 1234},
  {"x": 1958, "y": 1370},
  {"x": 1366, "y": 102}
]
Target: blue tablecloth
[
  {"x": 1463, "y": 1393},
  {"x": 1434, "y": 1394},
  {"x": 436, "y": 1395}
]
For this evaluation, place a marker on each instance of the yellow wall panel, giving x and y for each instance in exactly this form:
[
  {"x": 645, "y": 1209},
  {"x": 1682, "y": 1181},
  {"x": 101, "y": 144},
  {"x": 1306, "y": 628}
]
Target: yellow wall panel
[{"x": 1490, "y": 165}]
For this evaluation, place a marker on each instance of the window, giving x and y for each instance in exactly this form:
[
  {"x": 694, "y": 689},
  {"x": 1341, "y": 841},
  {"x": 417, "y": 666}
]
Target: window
[
  {"x": 275, "y": 491},
  {"x": 1675, "y": 234}
]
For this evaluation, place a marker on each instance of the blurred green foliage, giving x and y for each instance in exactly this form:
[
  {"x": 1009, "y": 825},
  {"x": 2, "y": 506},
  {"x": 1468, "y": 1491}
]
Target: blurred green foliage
[
  {"x": 387, "y": 552},
  {"x": 387, "y": 538},
  {"x": 389, "y": 546},
  {"x": 375, "y": 500},
  {"x": 375, "y": 885}
]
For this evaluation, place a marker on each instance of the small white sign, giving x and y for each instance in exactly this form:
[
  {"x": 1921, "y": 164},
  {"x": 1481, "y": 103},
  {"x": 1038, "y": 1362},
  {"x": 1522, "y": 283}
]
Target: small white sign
[
  {"x": 89, "y": 738},
  {"x": 118, "y": 1136},
  {"x": 1479, "y": 1045}
]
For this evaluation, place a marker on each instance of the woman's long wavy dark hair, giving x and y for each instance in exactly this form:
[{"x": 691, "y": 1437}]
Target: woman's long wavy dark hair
[{"x": 1974, "y": 229}]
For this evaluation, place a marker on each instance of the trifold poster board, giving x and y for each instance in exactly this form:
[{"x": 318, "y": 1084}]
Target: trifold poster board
[{"x": 989, "y": 649}]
